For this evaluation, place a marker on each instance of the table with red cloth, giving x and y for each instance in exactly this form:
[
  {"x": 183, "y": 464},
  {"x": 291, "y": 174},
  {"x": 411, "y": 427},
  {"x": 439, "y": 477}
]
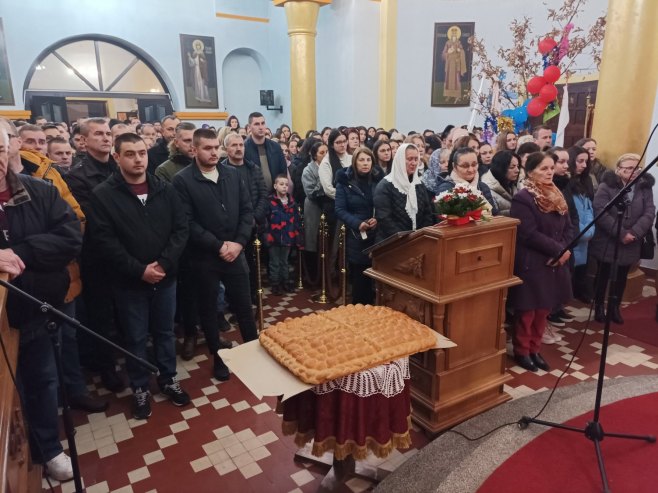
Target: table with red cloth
[{"x": 366, "y": 411}]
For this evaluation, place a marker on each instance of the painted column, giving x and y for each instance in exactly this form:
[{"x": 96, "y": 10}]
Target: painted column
[
  {"x": 628, "y": 80},
  {"x": 388, "y": 37},
  {"x": 302, "y": 16}
]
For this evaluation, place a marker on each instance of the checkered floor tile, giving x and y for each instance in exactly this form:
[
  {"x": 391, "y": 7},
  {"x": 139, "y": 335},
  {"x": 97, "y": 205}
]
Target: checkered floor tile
[{"x": 227, "y": 439}]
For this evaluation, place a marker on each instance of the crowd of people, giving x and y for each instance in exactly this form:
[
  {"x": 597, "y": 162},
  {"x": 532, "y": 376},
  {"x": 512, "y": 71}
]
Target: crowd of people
[{"x": 131, "y": 227}]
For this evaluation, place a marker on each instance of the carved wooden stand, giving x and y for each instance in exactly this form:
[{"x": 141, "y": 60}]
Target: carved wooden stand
[
  {"x": 17, "y": 473},
  {"x": 453, "y": 279}
]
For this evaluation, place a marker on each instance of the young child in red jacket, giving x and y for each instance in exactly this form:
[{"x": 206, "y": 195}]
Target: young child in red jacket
[{"x": 283, "y": 233}]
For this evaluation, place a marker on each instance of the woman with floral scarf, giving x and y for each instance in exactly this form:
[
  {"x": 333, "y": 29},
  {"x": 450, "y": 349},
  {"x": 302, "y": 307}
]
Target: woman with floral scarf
[{"x": 545, "y": 230}]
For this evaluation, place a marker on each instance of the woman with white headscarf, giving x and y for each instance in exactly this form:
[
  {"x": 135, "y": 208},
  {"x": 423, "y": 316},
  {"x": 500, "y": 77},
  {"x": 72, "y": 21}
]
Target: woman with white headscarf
[{"x": 401, "y": 200}]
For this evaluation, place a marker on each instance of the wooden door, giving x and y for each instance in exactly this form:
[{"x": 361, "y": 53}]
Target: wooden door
[
  {"x": 575, "y": 130},
  {"x": 52, "y": 108}
]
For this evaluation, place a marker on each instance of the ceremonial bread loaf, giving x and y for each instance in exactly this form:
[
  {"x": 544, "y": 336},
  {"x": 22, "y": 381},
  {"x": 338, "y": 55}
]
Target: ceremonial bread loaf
[{"x": 323, "y": 346}]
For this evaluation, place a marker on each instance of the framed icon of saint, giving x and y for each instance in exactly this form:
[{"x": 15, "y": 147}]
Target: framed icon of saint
[
  {"x": 452, "y": 68},
  {"x": 199, "y": 71}
]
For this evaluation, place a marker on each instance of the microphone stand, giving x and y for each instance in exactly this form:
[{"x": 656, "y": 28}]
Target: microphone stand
[
  {"x": 56, "y": 318},
  {"x": 593, "y": 429}
]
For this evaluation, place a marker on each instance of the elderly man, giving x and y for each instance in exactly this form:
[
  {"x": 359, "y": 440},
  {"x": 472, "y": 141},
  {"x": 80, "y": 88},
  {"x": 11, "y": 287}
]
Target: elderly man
[{"x": 41, "y": 230}]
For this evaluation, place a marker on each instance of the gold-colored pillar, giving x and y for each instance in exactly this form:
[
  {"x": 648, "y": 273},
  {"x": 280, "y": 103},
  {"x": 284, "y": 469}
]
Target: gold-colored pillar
[
  {"x": 302, "y": 16},
  {"x": 628, "y": 80},
  {"x": 388, "y": 36}
]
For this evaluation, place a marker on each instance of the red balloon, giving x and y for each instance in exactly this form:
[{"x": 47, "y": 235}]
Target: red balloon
[
  {"x": 552, "y": 74},
  {"x": 546, "y": 45},
  {"x": 548, "y": 93},
  {"x": 535, "y": 84},
  {"x": 536, "y": 107}
]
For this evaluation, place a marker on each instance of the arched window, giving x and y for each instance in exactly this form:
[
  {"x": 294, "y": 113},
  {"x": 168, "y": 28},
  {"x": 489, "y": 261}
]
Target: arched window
[{"x": 95, "y": 76}]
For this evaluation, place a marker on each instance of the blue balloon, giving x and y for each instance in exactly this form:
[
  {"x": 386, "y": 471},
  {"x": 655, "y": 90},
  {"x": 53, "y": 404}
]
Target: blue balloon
[{"x": 523, "y": 114}]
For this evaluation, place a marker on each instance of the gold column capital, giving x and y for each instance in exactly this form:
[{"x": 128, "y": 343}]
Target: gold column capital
[{"x": 281, "y": 3}]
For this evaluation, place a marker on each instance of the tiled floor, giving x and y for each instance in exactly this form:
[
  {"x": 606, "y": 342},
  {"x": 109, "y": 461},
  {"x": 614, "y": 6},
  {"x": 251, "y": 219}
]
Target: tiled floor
[{"x": 227, "y": 440}]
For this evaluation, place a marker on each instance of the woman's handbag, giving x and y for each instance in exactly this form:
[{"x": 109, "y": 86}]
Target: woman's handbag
[{"x": 648, "y": 246}]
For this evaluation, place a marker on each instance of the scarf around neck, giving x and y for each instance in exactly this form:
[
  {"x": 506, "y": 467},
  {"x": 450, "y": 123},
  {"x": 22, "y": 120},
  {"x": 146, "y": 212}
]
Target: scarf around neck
[
  {"x": 473, "y": 186},
  {"x": 400, "y": 180},
  {"x": 432, "y": 175},
  {"x": 547, "y": 196}
]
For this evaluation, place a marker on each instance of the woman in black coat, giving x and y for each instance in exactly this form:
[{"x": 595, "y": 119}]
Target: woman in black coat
[
  {"x": 463, "y": 171},
  {"x": 544, "y": 231},
  {"x": 638, "y": 220},
  {"x": 402, "y": 202},
  {"x": 355, "y": 188}
]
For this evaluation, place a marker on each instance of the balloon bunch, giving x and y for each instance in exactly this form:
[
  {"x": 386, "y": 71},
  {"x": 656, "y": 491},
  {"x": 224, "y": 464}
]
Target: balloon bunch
[
  {"x": 519, "y": 116},
  {"x": 543, "y": 87}
]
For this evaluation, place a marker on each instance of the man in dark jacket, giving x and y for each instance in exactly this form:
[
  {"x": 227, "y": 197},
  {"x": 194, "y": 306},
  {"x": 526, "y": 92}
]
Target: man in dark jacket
[
  {"x": 218, "y": 206},
  {"x": 159, "y": 153},
  {"x": 181, "y": 156},
  {"x": 253, "y": 177},
  {"x": 42, "y": 230},
  {"x": 263, "y": 152},
  {"x": 180, "y": 152},
  {"x": 94, "y": 169},
  {"x": 138, "y": 226}
]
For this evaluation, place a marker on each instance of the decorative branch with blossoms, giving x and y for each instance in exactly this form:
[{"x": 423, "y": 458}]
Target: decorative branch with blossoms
[{"x": 522, "y": 59}]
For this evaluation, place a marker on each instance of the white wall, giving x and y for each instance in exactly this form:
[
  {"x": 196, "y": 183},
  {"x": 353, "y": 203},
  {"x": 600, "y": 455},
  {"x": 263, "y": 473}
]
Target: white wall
[
  {"x": 152, "y": 25},
  {"x": 416, "y": 20},
  {"x": 347, "y": 47},
  {"x": 347, "y": 61}
]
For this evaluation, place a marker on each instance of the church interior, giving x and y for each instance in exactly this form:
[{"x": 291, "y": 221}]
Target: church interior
[{"x": 474, "y": 410}]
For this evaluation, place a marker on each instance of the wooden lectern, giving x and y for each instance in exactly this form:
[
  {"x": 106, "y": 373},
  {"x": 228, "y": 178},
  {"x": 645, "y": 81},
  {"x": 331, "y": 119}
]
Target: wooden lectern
[
  {"x": 453, "y": 279},
  {"x": 17, "y": 473}
]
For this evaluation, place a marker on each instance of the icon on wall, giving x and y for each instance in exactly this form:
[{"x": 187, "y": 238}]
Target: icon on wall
[
  {"x": 199, "y": 71},
  {"x": 6, "y": 92},
  {"x": 452, "y": 69}
]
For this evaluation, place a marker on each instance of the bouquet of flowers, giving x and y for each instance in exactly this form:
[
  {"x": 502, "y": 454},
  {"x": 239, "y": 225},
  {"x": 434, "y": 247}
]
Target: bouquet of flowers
[{"x": 459, "y": 202}]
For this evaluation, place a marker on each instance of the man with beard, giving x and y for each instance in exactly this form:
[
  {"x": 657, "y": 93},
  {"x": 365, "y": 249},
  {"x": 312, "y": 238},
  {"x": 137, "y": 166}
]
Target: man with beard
[
  {"x": 159, "y": 153},
  {"x": 180, "y": 152},
  {"x": 218, "y": 206}
]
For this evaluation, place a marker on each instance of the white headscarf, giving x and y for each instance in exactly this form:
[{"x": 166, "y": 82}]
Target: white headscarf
[{"x": 400, "y": 180}]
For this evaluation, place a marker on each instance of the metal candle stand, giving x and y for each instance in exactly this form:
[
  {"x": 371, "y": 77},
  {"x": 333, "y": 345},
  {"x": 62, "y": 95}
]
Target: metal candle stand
[
  {"x": 259, "y": 280},
  {"x": 342, "y": 247}
]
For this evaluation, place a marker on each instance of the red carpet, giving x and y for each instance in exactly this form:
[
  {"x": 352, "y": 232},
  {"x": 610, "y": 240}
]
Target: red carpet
[
  {"x": 640, "y": 322},
  {"x": 565, "y": 461}
]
